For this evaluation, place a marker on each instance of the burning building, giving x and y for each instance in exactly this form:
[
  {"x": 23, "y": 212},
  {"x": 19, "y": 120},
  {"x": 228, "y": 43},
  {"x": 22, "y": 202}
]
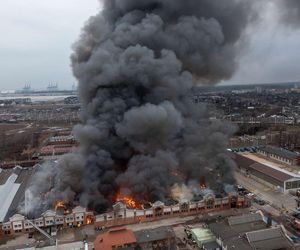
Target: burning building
[
  {"x": 136, "y": 63},
  {"x": 140, "y": 134},
  {"x": 122, "y": 214}
]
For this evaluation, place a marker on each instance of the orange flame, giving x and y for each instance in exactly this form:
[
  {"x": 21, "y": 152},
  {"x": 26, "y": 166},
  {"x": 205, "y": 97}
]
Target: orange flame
[
  {"x": 130, "y": 202},
  {"x": 60, "y": 205},
  {"x": 89, "y": 220},
  {"x": 202, "y": 183}
]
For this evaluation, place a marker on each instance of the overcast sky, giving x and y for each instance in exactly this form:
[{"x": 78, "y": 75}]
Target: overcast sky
[{"x": 36, "y": 39}]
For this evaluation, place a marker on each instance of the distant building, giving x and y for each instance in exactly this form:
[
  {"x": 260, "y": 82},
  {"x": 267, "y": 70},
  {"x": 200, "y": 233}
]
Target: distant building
[
  {"x": 118, "y": 238},
  {"x": 280, "y": 154},
  {"x": 52, "y": 87}
]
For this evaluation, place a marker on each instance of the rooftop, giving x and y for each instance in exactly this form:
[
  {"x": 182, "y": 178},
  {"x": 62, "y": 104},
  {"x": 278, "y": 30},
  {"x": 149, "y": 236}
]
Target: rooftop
[
  {"x": 115, "y": 237},
  {"x": 274, "y": 172},
  {"x": 270, "y": 238},
  {"x": 237, "y": 220},
  {"x": 280, "y": 152},
  {"x": 203, "y": 235},
  {"x": 149, "y": 235},
  {"x": 232, "y": 229},
  {"x": 13, "y": 184}
]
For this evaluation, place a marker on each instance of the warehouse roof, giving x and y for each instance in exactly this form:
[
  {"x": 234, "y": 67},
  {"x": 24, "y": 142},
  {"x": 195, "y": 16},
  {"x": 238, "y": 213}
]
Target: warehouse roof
[
  {"x": 236, "y": 220},
  {"x": 274, "y": 172},
  {"x": 280, "y": 152},
  {"x": 13, "y": 183},
  {"x": 226, "y": 231},
  {"x": 113, "y": 238},
  {"x": 155, "y": 234},
  {"x": 270, "y": 238}
]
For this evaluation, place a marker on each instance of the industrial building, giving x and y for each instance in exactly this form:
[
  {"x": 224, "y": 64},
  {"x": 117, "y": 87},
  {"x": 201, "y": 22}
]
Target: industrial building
[
  {"x": 249, "y": 232},
  {"x": 13, "y": 184},
  {"x": 57, "y": 146},
  {"x": 50, "y": 220},
  {"x": 271, "y": 176},
  {"x": 280, "y": 154},
  {"x": 121, "y": 215}
]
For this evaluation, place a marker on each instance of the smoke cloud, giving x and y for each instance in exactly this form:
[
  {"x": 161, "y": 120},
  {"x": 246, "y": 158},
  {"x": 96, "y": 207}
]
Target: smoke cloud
[
  {"x": 289, "y": 11},
  {"x": 136, "y": 63}
]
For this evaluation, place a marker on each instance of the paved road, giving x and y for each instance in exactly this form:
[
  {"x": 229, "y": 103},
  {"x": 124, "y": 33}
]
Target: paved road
[
  {"x": 184, "y": 220},
  {"x": 276, "y": 199}
]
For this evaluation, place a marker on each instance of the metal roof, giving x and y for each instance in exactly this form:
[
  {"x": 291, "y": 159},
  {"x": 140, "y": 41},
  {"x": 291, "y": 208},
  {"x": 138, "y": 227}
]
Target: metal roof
[
  {"x": 248, "y": 218},
  {"x": 7, "y": 193},
  {"x": 155, "y": 234},
  {"x": 13, "y": 183},
  {"x": 270, "y": 238},
  {"x": 275, "y": 173},
  {"x": 114, "y": 237},
  {"x": 203, "y": 235},
  {"x": 272, "y": 172},
  {"x": 280, "y": 152}
]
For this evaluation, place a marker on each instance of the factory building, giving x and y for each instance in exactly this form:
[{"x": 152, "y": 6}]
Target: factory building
[
  {"x": 121, "y": 215},
  {"x": 280, "y": 154},
  {"x": 49, "y": 221},
  {"x": 57, "y": 146},
  {"x": 13, "y": 183},
  {"x": 271, "y": 176}
]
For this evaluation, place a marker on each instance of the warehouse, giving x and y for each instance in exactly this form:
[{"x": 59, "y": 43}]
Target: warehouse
[
  {"x": 280, "y": 154},
  {"x": 249, "y": 232},
  {"x": 13, "y": 183},
  {"x": 270, "y": 176}
]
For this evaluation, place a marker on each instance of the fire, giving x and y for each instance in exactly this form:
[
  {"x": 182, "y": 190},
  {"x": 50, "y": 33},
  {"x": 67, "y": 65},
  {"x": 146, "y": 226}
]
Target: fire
[
  {"x": 89, "y": 220},
  {"x": 202, "y": 183},
  {"x": 60, "y": 205},
  {"x": 130, "y": 202}
]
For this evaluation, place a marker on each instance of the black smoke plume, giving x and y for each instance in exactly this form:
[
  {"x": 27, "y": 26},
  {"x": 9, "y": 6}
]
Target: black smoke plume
[{"x": 136, "y": 63}]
